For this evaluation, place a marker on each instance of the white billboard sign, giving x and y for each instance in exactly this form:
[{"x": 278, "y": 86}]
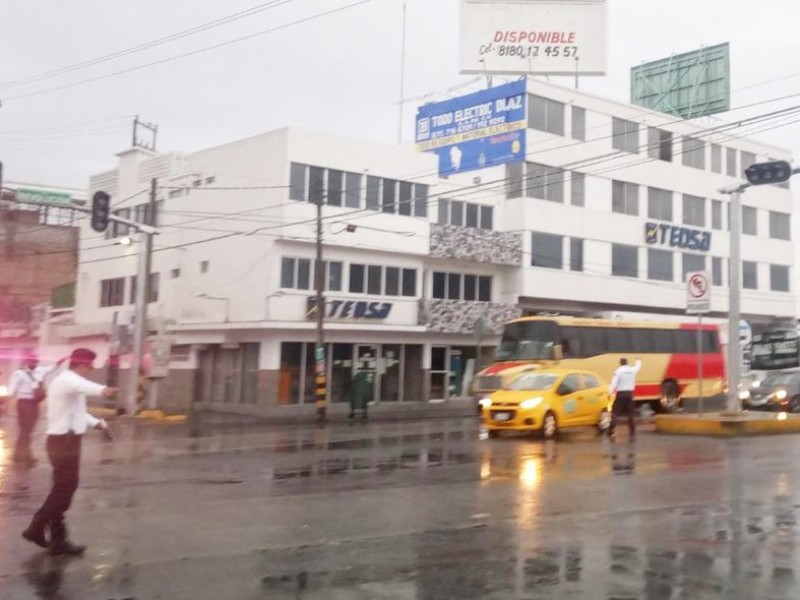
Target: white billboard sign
[{"x": 538, "y": 37}]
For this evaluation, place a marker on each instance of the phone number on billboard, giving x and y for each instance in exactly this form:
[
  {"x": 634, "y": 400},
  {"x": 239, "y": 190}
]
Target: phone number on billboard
[{"x": 536, "y": 51}]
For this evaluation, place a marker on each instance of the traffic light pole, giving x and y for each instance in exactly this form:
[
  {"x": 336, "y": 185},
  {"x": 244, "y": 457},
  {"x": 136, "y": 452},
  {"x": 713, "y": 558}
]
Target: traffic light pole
[{"x": 140, "y": 326}]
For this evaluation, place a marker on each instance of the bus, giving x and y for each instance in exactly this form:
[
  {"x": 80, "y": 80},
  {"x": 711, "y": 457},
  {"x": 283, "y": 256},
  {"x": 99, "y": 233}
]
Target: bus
[{"x": 668, "y": 352}]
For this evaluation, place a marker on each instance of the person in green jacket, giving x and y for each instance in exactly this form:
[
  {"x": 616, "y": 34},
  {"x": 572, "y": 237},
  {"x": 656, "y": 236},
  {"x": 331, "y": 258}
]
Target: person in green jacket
[{"x": 360, "y": 391}]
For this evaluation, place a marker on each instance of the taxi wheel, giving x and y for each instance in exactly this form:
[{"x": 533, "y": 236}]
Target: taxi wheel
[
  {"x": 549, "y": 426},
  {"x": 493, "y": 433}
]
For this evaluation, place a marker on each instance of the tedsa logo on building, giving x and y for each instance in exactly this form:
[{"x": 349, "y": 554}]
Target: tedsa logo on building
[
  {"x": 664, "y": 234},
  {"x": 350, "y": 309}
]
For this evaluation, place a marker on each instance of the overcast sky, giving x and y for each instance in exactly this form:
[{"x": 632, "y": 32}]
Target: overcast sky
[{"x": 339, "y": 73}]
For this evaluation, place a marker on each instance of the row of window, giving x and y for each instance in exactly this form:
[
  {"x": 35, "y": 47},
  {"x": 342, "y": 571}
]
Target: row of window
[
  {"x": 545, "y": 114},
  {"x": 354, "y": 190},
  {"x": 112, "y": 291},
  {"x": 376, "y": 280},
  {"x": 583, "y": 342},
  {"x": 458, "y": 286},
  {"x": 547, "y": 251},
  {"x": 465, "y": 214},
  {"x": 534, "y": 180}
]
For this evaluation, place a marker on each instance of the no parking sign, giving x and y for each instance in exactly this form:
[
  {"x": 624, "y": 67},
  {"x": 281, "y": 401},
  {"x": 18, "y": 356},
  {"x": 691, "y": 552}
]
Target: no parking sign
[{"x": 698, "y": 292}]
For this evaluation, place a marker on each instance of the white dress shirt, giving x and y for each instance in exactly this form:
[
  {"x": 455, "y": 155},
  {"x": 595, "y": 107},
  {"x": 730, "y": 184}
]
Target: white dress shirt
[
  {"x": 66, "y": 404},
  {"x": 624, "y": 379},
  {"x": 24, "y": 381}
]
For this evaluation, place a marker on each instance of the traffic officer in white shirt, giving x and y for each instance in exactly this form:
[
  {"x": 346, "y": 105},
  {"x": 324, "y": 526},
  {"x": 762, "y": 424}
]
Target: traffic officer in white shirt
[
  {"x": 67, "y": 421},
  {"x": 623, "y": 384},
  {"x": 27, "y": 388}
]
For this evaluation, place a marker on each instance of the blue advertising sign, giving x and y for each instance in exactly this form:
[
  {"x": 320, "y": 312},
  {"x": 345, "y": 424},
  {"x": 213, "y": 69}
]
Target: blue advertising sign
[
  {"x": 664, "y": 234},
  {"x": 478, "y": 130}
]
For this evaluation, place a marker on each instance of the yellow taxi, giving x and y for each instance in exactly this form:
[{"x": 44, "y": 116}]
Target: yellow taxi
[{"x": 547, "y": 401}]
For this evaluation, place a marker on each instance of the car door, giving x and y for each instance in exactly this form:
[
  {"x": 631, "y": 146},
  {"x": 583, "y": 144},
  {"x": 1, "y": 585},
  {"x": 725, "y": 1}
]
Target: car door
[
  {"x": 569, "y": 396},
  {"x": 595, "y": 397}
]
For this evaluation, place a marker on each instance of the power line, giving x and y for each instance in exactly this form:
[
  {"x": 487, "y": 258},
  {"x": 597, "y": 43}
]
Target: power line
[{"x": 190, "y": 53}]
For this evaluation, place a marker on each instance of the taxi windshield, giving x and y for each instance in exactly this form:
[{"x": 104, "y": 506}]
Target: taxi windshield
[{"x": 533, "y": 381}]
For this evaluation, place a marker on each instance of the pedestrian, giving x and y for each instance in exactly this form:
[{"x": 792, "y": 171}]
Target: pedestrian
[
  {"x": 360, "y": 392},
  {"x": 67, "y": 421},
  {"x": 28, "y": 389},
  {"x": 623, "y": 384}
]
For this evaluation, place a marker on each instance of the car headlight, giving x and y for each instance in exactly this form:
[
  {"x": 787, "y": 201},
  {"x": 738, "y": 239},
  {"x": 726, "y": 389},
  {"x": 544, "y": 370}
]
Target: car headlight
[
  {"x": 744, "y": 395},
  {"x": 3, "y": 390},
  {"x": 485, "y": 402},
  {"x": 780, "y": 395},
  {"x": 756, "y": 383},
  {"x": 530, "y": 403}
]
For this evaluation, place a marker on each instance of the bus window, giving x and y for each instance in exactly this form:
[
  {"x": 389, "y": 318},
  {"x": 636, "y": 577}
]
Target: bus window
[
  {"x": 642, "y": 341},
  {"x": 593, "y": 340},
  {"x": 528, "y": 340},
  {"x": 663, "y": 340},
  {"x": 710, "y": 342},
  {"x": 619, "y": 341},
  {"x": 571, "y": 343},
  {"x": 685, "y": 341}
]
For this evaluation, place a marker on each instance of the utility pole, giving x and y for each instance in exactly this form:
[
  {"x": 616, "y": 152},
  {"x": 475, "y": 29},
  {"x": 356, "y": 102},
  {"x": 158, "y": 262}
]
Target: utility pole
[
  {"x": 142, "y": 296},
  {"x": 319, "y": 350}
]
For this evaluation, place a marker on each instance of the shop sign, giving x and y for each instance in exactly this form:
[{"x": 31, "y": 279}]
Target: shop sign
[
  {"x": 351, "y": 309},
  {"x": 664, "y": 234}
]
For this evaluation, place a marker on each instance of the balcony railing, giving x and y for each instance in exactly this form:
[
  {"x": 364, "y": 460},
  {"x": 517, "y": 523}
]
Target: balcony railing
[{"x": 479, "y": 245}]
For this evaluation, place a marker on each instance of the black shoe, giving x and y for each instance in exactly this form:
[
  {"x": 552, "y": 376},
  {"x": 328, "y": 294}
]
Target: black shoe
[
  {"x": 35, "y": 535},
  {"x": 66, "y": 548}
]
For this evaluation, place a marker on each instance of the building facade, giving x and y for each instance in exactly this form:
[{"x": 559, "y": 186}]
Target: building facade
[{"x": 610, "y": 209}]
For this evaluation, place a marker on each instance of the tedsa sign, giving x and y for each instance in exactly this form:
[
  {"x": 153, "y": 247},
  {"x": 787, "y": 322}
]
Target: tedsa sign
[{"x": 544, "y": 37}]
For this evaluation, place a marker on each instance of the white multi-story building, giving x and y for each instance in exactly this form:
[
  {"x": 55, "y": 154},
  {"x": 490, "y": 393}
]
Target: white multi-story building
[{"x": 613, "y": 205}]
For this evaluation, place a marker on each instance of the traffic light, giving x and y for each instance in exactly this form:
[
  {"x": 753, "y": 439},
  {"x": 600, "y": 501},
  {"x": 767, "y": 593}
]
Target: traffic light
[
  {"x": 769, "y": 172},
  {"x": 101, "y": 211}
]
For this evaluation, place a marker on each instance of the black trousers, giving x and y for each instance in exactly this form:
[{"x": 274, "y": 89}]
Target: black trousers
[
  {"x": 623, "y": 403},
  {"x": 27, "y": 416},
  {"x": 64, "y": 452}
]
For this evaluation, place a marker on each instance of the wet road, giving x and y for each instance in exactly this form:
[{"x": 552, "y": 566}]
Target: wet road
[{"x": 412, "y": 511}]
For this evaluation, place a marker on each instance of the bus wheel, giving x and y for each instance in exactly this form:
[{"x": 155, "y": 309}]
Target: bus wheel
[
  {"x": 549, "y": 426},
  {"x": 670, "y": 397}
]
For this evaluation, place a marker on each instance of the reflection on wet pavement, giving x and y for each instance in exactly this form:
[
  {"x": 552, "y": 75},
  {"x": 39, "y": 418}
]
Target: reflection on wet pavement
[{"x": 414, "y": 511}]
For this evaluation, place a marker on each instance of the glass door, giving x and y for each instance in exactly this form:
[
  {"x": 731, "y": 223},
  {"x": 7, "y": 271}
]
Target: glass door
[
  {"x": 440, "y": 373},
  {"x": 367, "y": 358}
]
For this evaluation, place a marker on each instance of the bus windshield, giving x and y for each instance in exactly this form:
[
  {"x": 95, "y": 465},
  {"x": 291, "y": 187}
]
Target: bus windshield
[
  {"x": 528, "y": 340},
  {"x": 533, "y": 381}
]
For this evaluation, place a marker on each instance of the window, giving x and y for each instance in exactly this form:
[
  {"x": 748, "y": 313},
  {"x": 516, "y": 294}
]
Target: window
[
  {"x": 578, "y": 123},
  {"x": 659, "y": 265},
  {"x": 204, "y": 266},
  {"x": 749, "y": 275},
  {"x": 547, "y": 250},
  {"x": 392, "y": 281},
  {"x": 457, "y": 286},
  {"x": 659, "y": 144},
  {"x": 175, "y": 273},
  {"x": 112, "y": 292},
  {"x": 420, "y": 200},
  {"x": 716, "y": 214},
  {"x": 694, "y": 153},
  {"x": 716, "y": 271},
  {"x": 335, "y": 187},
  {"x": 692, "y": 263},
  {"x": 374, "y": 280},
  {"x": 576, "y": 254},
  {"x": 546, "y": 183},
  {"x": 352, "y": 191},
  {"x": 459, "y": 213},
  {"x": 404, "y": 204},
  {"x": 545, "y": 114},
  {"x": 716, "y": 158},
  {"x": 694, "y": 211},
  {"x": 578, "y": 190},
  {"x": 749, "y": 220},
  {"x": 373, "y": 192},
  {"x": 624, "y": 260},
  {"x": 748, "y": 158},
  {"x": 625, "y": 135},
  {"x": 730, "y": 162},
  {"x": 779, "y": 278},
  {"x": 303, "y": 274},
  {"x": 389, "y": 196},
  {"x": 779, "y": 226},
  {"x": 357, "y": 279},
  {"x": 514, "y": 178},
  {"x": 316, "y": 185},
  {"x": 659, "y": 204},
  {"x": 333, "y": 276},
  {"x": 625, "y": 197}
]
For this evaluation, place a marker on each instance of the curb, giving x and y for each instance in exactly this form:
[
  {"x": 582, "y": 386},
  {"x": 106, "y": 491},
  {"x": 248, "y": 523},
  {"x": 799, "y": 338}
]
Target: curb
[{"x": 728, "y": 425}]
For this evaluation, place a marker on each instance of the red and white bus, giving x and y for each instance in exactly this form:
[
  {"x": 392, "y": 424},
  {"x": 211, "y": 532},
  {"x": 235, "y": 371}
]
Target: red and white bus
[{"x": 668, "y": 352}]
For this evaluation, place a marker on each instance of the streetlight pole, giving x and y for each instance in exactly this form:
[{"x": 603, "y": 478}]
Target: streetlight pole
[
  {"x": 139, "y": 326},
  {"x": 735, "y": 297},
  {"x": 319, "y": 350}
]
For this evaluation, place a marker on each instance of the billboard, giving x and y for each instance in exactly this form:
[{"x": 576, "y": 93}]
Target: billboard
[
  {"x": 537, "y": 37},
  {"x": 689, "y": 85},
  {"x": 478, "y": 130}
]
